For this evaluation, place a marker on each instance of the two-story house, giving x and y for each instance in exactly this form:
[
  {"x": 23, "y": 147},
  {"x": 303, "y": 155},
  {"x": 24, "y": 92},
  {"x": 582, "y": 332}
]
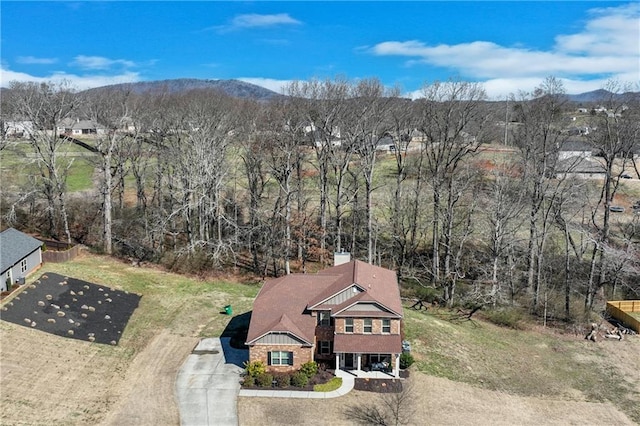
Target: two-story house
[{"x": 348, "y": 315}]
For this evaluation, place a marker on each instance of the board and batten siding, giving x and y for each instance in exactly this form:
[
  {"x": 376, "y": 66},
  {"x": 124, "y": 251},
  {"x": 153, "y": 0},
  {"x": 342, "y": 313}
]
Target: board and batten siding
[
  {"x": 279, "y": 339},
  {"x": 369, "y": 307},
  {"x": 343, "y": 296}
]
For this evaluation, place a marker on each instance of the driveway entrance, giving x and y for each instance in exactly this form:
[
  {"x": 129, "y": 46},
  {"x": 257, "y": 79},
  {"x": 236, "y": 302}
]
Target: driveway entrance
[{"x": 208, "y": 383}]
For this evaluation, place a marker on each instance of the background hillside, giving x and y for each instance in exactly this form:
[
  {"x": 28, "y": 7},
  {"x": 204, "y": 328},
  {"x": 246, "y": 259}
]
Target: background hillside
[{"x": 234, "y": 88}]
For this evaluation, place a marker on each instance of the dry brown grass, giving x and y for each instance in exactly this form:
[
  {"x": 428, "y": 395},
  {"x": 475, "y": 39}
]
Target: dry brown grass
[
  {"x": 437, "y": 402},
  {"x": 46, "y": 379}
]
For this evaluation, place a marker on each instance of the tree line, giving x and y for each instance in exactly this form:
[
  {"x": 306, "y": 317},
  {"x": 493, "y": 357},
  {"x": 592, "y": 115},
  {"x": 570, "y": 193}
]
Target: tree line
[{"x": 199, "y": 180}]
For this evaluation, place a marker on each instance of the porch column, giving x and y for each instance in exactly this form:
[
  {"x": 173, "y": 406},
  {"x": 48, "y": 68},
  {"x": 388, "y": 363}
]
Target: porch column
[
  {"x": 359, "y": 364},
  {"x": 396, "y": 367},
  {"x": 337, "y": 361}
]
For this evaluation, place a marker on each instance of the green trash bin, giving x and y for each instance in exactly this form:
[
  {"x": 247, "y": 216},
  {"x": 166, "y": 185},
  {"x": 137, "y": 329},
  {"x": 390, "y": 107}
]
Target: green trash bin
[{"x": 228, "y": 310}]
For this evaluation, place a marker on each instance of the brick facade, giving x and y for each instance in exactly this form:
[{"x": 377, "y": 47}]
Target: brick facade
[
  {"x": 301, "y": 355},
  {"x": 376, "y": 326}
]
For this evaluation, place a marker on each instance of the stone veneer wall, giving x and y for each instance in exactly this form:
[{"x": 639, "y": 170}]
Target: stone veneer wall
[{"x": 300, "y": 356}]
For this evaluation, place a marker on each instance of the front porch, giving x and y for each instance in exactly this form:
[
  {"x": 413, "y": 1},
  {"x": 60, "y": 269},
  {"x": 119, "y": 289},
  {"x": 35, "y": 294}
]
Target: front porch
[{"x": 371, "y": 366}]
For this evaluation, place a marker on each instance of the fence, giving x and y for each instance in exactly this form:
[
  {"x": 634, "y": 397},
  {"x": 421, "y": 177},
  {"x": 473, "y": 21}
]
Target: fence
[
  {"x": 63, "y": 254},
  {"x": 619, "y": 308}
]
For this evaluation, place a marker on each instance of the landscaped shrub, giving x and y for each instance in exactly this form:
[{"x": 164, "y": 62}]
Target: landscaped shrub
[
  {"x": 299, "y": 379},
  {"x": 283, "y": 380},
  {"x": 255, "y": 368},
  {"x": 406, "y": 360},
  {"x": 264, "y": 380},
  {"x": 309, "y": 369},
  {"x": 249, "y": 381}
]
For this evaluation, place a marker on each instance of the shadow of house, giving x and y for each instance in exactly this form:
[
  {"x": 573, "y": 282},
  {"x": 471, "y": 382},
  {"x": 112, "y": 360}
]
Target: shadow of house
[{"x": 233, "y": 339}]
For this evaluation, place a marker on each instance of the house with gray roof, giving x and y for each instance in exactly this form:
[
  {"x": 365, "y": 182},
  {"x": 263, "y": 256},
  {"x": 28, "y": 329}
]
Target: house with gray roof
[
  {"x": 347, "y": 316},
  {"x": 580, "y": 168},
  {"x": 20, "y": 255}
]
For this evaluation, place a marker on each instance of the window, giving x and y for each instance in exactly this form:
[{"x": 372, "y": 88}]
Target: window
[
  {"x": 367, "y": 325},
  {"x": 280, "y": 358},
  {"x": 325, "y": 347},
  {"x": 23, "y": 265},
  {"x": 324, "y": 318},
  {"x": 348, "y": 325},
  {"x": 386, "y": 326}
]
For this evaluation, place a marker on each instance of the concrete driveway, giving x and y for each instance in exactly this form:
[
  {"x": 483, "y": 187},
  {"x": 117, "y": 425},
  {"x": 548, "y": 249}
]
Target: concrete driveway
[{"x": 208, "y": 383}]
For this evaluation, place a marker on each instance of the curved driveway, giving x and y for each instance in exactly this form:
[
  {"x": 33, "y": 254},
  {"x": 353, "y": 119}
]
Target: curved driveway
[{"x": 208, "y": 383}]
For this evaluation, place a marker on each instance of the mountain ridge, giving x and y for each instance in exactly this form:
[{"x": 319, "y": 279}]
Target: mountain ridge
[{"x": 232, "y": 87}]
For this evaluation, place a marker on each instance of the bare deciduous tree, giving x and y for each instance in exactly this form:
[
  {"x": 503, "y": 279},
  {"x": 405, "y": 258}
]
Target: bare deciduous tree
[{"x": 45, "y": 105}]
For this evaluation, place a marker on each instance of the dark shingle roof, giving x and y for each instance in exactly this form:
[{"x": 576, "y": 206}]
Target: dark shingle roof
[
  {"x": 282, "y": 304},
  {"x": 15, "y": 246}
]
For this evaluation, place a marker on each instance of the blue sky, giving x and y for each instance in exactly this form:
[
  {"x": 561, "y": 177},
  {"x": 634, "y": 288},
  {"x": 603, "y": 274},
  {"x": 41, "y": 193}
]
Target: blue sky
[{"x": 507, "y": 45}]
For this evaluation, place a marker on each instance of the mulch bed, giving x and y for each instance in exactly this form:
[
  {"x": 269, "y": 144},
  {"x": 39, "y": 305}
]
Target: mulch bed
[
  {"x": 72, "y": 308},
  {"x": 378, "y": 385}
]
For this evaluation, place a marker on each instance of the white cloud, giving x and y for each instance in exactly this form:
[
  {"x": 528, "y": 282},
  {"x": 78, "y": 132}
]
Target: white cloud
[
  {"x": 79, "y": 82},
  {"x": 254, "y": 20},
  {"x": 268, "y": 83},
  {"x": 32, "y": 60},
  {"x": 608, "y": 47},
  {"x": 100, "y": 62}
]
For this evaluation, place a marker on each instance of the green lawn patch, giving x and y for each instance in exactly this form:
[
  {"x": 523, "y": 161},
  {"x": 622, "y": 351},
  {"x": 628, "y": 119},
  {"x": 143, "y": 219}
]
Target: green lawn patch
[{"x": 331, "y": 385}]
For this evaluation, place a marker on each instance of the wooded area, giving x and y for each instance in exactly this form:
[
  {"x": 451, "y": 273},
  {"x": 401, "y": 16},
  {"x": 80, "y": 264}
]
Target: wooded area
[{"x": 199, "y": 181}]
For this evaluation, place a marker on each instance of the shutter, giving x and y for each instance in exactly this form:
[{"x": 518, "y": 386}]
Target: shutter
[
  {"x": 268, "y": 358},
  {"x": 290, "y": 358}
]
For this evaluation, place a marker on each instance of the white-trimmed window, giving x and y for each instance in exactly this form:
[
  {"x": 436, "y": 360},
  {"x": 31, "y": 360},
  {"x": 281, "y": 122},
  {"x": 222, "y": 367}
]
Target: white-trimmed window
[
  {"x": 23, "y": 265},
  {"x": 324, "y": 318},
  {"x": 348, "y": 325},
  {"x": 367, "y": 326},
  {"x": 280, "y": 358},
  {"x": 325, "y": 347},
  {"x": 386, "y": 326}
]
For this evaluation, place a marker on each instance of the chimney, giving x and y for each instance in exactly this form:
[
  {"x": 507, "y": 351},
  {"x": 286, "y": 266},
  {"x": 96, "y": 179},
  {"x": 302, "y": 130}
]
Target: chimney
[{"x": 341, "y": 257}]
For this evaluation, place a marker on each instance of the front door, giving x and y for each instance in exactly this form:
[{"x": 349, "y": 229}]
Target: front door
[{"x": 348, "y": 360}]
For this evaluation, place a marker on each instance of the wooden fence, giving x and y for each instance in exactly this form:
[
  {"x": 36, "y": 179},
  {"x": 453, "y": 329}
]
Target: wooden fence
[
  {"x": 619, "y": 308},
  {"x": 53, "y": 256}
]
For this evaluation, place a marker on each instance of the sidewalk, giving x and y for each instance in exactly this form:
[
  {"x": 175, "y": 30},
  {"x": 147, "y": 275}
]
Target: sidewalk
[{"x": 348, "y": 381}]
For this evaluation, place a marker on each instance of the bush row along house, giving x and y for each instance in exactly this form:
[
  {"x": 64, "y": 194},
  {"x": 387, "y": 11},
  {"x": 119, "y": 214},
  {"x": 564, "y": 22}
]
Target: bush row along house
[{"x": 349, "y": 314}]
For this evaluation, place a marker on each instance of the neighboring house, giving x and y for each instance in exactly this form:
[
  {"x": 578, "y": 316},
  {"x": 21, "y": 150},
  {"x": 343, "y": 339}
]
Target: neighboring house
[
  {"x": 386, "y": 144},
  {"x": 65, "y": 126},
  {"x": 20, "y": 255},
  {"x": 17, "y": 128},
  {"x": 579, "y": 167},
  {"x": 87, "y": 127},
  {"x": 348, "y": 315},
  {"x": 574, "y": 148}
]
